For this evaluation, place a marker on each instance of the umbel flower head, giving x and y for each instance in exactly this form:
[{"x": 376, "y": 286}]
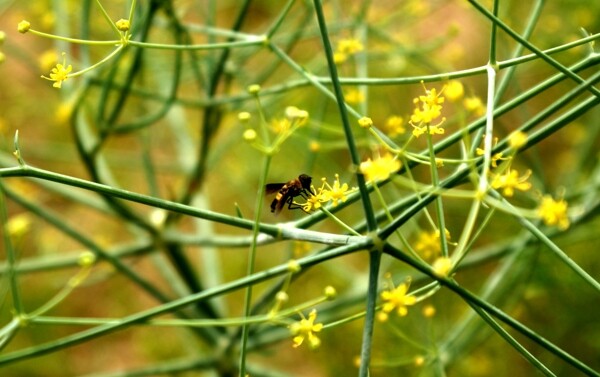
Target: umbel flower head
[
  {"x": 554, "y": 212},
  {"x": 326, "y": 193},
  {"x": 380, "y": 168},
  {"x": 397, "y": 299},
  {"x": 510, "y": 181},
  {"x": 305, "y": 329},
  {"x": 427, "y": 109},
  {"x": 59, "y": 73}
]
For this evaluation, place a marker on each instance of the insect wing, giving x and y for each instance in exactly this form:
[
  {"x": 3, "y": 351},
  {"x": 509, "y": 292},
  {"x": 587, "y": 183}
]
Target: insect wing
[{"x": 271, "y": 188}]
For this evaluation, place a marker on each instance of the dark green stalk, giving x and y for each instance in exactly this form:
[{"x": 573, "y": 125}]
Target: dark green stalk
[{"x": 375, "y": 254}]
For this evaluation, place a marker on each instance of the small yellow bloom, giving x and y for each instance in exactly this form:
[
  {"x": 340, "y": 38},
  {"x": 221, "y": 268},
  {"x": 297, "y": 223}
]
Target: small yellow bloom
[
  {"x": 314, "y": 146},
  {"x": 365, "y": 122},
  {"x": 354, "y": 97},
  {"x": 306, "y": 329},
  {"x": 397, "y": 299},
  {"x": 454, "y": 90},
  {"x": 379, "y": 169},
  {"x": 254, "y": 89},
  {"x": 517, "y": 139},
  {"x": 293, "y": 266},
  {"x": 442, "y": 266},
  {"x": 123, "y": 25},
  {"x": 474, "y": 105},
  {"x": 59, "y": 73},
  {"x": 86, "y": 259},
  {"x": 554, "y": 212},
  {"x": 350, "y": 46},
  {"x": 394, "y": 126},
  {"x": 330, "y": 292},
  {"x": 23, "y": 27},
  {"x": 280, "y": 126},
  {"x": 244, "y": 116},
  {"x": 419, "y": 361},
  {"x": 295, "y": 113},
  {"x": 345, "y": 48},
  {"x": 427, "y": 107},
  {"x": 495, "y": 157},
  {"x": 433, "y": 130},
  {"x": 249, "y": 134},
  {"x": 339, "y": 57},
  {"x": 428, "y": 244},
  {"x": 429, "y": 311},
  {"x": 282, "y": 297},
  {"x": 338, "y": 192},
  {"x": 510, "y": 181},
  {"x": 18, "y": 225}
]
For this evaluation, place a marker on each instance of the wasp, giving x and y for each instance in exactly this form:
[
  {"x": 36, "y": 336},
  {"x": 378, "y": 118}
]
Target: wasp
[{"x": 286, "y": 192}]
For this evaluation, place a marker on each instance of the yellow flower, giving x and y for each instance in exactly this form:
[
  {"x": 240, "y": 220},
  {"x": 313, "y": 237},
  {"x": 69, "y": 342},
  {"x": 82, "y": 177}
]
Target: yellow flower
[
  {"x": 394, "y": 126},
  {"x": 294, "y": 113},
  {"x": 454, "y": 90},
  {"x": 442, "y": 266},
  {"x": 23, "y": 27},
  {"x": 338, "y": 192},
  {"x": 379, "y": 169},
  {"x": 397, "y": 299},
  {"x": 59, "y": 73},
  {"x": 429, "y": 311},
  {"x": 249, "y": 134},
  {"x": 244, "y": 116},
  {"x": 354, "y": 96},
  {"x": 428, "y": 243},
  {"x": 18, "y": 225},
  {"x": 314, "y": 202},
  {"x": 510, "y": 181},
  {"x": 280, "y": 126},
  {"x": 86, "y": 259},
  {"x": 325, "y": 193},
  {"x": 474, "y": 105},
  {"x": 123, "y": 25},
  {"x": 427, "y": 107},
  {"x": 433, "y": 130},
  {"x": 306, "y": 329},
  {"x": 253, "y": 89},
  {"x": 345, "y": 48},
  {"x": 517, "y": 139},
  {"x": 495, "y": 157},
  {"x": 554, "y": 212},
  {"x": 365, "y": 122}
]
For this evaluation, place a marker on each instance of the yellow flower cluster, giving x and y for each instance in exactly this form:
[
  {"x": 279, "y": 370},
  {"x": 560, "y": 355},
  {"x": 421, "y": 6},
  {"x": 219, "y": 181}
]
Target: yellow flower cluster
[
  {"x": 427, "y": 109},
  {"x": 554, "y": 212},
  {"x": 396, "y": 299},
  {"x": 380, "y": 168},
  {"x": 327, "y": 193},
  {"x": 305, "y": 329},
  {"x": 346, "y": 48}
]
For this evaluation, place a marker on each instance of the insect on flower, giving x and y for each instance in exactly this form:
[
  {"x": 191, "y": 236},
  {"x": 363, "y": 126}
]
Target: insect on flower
[{"x": 286, "y": 192}]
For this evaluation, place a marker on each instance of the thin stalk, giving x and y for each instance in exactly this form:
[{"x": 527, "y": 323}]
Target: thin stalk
[{"x": 252, "y": 260}]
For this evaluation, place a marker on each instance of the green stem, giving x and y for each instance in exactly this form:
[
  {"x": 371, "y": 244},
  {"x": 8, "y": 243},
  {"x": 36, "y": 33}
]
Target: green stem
[{"x": 252, "y": 260}]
